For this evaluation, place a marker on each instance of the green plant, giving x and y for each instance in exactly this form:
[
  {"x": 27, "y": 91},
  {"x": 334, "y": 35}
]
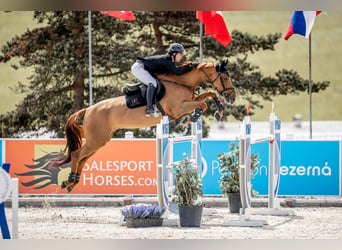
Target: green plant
[
  {"x": 187, "y": 184},
  {"x": 229, "y": 169}
]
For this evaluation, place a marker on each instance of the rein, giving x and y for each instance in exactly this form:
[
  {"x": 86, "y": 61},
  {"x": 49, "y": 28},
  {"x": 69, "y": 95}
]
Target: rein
[
  {"x": 179, "y": 83},
  {"x": 211, "y": 83}
]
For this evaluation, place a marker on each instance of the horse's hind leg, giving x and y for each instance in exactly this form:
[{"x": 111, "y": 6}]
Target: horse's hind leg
[
  {"x": 75, "y": 176},
  {"x": 80, "y": 157}
]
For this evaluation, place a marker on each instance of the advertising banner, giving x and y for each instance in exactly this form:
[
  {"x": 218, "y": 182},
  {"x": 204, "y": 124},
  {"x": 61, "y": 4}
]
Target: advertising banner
[
  {"x": 310, "y": 168},
  {"x": 120, "y": 167},
  {"x": 307, "y": 167}
]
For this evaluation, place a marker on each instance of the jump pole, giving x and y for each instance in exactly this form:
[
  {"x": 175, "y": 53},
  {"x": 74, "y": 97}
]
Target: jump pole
[{"x": 164, "y": 147}]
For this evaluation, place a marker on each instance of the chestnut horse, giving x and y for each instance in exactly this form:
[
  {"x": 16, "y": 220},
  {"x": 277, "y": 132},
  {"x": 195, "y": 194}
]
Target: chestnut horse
[{"x": 105, "y": 117}]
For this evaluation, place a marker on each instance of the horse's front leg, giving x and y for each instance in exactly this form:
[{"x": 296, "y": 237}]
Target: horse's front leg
[
  {"x": 219, "y": 113},
  {"x": 204, "y": 96},
  {"x": 187, "y": 107}
]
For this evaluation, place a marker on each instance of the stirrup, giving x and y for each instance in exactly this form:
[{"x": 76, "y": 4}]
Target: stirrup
[{"x": 149, "y": 112}]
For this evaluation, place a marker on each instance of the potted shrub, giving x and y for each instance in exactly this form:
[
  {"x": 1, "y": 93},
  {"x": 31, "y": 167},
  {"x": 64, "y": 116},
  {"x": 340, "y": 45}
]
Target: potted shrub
[
  {"x": 142, "y": 215},
  {"x": 187, "y": 193},
  {"x": 229, "y": 181}
]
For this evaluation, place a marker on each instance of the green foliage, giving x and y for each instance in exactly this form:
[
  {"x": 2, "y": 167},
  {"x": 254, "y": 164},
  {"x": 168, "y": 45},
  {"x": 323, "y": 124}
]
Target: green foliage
[
  {"x": 188, "y": 183},
  {"x": 57, "y": 53},
  {"x": 229, "y": 169}
]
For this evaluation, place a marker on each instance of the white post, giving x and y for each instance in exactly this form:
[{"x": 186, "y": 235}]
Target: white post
[
  {"x": 201, "y": 43},
  {"x": 15, "y": 192},
  {"x": 90, "y": 61},
  {"x": 244, "y": 162},
  {"x": 196, "y": 132},
  {"x": 271, "y": 169},
  {"x": 129, "y": 135},
  {"x": 159, "y": 159}
]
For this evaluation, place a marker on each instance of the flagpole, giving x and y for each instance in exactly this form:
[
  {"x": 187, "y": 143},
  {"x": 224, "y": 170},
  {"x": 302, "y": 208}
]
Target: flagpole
[
  {"x": 201, "y": 42},
  {"x": 310, "y": 86},
  {"x": 90, "y": 61}
]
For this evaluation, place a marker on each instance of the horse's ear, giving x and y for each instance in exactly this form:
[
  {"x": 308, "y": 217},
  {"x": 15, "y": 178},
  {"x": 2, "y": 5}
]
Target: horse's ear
[
  {"x": 223, "y": 66},
  {"x": 217, "y": 67}
]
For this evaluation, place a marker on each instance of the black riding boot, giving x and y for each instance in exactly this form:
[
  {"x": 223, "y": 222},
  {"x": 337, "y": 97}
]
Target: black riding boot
[{"x": 149, "y": 99}]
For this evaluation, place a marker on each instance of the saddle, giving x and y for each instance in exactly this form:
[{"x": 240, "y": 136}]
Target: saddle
[{"x": 136, "y": 94}]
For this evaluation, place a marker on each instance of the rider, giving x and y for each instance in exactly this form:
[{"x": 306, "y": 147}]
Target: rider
[{"x": 146, "y": 69}]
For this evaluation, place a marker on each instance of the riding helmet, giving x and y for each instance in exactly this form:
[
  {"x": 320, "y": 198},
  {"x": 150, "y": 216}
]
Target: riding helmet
[{"x": 176, "y": 47}]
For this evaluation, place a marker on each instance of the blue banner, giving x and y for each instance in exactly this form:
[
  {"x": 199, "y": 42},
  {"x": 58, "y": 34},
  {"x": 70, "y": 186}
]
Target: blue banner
[
  {"x": 307, "y": 167},
  {"x": 313, "y": 166}
]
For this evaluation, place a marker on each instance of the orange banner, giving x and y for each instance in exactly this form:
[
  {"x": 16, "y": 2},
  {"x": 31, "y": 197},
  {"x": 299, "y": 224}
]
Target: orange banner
[{"x": 120, "y": 167}]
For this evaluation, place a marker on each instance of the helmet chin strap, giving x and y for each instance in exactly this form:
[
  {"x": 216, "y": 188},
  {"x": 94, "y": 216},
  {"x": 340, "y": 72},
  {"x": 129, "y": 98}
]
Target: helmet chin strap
[{"x": 174, "y": 54}]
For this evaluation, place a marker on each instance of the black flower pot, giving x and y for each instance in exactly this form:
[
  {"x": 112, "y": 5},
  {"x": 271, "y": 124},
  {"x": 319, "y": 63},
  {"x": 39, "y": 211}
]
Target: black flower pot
[
  {"x": 190, "y": 216},
  {"x": 234, "y": 202}
]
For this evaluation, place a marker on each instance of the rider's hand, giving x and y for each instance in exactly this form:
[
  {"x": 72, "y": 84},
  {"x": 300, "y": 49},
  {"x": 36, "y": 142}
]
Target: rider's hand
[{"x": 194, "y": 64}]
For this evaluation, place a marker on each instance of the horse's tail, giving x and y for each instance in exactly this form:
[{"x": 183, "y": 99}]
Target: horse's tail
[{"x": 74, "y": 133}]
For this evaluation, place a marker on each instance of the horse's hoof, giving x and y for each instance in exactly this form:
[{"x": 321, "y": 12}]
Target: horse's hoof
[
  {"x": 218, "y": 116},
  {"x": 69, "y": 189},
  {"x": 196, "y": 115},
  {"x": 63, "y": 185}
]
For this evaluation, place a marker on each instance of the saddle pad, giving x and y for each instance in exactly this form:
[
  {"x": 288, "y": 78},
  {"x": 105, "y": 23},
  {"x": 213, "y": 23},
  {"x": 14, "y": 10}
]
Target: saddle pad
[{"x": 137, "y": 99}]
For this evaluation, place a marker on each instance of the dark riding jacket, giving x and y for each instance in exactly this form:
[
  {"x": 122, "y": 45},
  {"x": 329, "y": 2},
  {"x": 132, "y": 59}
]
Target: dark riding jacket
[{"x": 161, "y": 64}]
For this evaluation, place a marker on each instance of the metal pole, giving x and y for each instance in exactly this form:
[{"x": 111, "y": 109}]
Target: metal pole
[
  {"x": 310, "y": 87},
  {"x": 90, "y": 61},
  {"x": 201, "y": 43},
  {"x": 15, "y": 192}
]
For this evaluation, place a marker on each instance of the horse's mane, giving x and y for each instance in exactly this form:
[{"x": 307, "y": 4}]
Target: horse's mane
[
  {"x": 206, "y": 65},
  {"x": 201, "y": 65}
]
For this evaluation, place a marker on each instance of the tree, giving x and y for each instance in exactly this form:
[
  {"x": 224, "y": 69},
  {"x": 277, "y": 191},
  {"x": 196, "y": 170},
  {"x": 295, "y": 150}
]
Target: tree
[{"x": 58, "y": 55}]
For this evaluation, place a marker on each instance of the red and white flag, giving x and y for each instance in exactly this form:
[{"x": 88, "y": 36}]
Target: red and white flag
[
  {"x": 124, "y": 15},
  {"x": 214, "y": 25}
]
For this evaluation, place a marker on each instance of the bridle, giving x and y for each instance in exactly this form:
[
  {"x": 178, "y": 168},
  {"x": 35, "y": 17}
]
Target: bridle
[{"x": 226, "y": 92}]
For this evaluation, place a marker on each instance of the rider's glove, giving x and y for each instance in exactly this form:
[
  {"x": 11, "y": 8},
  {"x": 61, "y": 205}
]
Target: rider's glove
[{"x": 194, "y": 64}]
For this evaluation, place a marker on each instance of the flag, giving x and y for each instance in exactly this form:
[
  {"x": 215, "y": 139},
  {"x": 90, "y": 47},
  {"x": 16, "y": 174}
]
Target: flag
[
  {"x": 124, "y": 15},
  {"x": 301, "y": 23},
  {"x": 214, "y": 25}
]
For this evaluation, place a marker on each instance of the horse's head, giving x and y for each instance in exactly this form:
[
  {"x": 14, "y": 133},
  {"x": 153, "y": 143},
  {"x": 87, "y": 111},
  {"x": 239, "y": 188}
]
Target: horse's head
[
  {"x": 218, "y": 78},
  {"x": 222, "y": 83}
]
